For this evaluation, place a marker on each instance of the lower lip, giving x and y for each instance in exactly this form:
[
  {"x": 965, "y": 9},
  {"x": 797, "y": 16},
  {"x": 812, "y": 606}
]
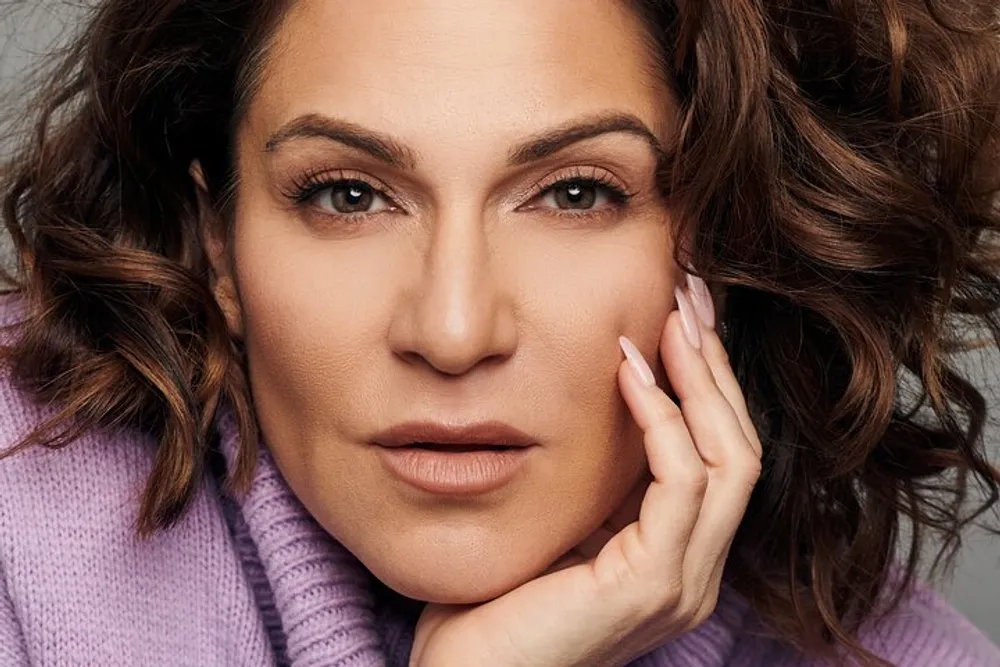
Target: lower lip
[{"x": 454, "y": 473}]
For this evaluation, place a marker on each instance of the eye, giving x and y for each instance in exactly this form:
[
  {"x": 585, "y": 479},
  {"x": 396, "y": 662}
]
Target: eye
[
  {"x": 348, "y": 197},
  {"x": 581, "y": 195}
]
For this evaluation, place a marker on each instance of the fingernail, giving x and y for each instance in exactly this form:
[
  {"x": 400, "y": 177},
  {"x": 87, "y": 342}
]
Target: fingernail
[
  {"x": 701, "y": 297},
  {"x": 637, "y": 362},
  {"x": 687, "y": 318}
]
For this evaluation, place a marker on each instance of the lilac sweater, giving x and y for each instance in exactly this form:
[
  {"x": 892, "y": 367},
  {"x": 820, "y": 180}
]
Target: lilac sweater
[{"x": 256, "y": 582}]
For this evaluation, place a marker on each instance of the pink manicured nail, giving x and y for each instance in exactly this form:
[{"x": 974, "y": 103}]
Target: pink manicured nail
[
  {"x": 637, "y": 362},
  {"x": 688, "y": 316},
  {"x": 701, "y": 297}
]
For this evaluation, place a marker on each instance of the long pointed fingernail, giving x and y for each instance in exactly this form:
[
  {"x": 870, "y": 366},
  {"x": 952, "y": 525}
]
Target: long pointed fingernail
[
  {"x": 688, "y": 322},
  {"x": 637, "y": 362},
  {"x": 701, "y": 297}
]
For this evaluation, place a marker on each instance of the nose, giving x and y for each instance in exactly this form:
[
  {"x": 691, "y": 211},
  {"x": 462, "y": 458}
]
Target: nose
[{"x": 457, "y": 316}]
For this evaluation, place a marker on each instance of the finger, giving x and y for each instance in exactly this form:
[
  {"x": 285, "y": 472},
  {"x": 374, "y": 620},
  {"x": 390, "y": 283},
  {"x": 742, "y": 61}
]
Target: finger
[
  {"x": 715, "y": 427},
  {"x": 732, "y": 465},
  {"x": 717, "y": 359},
  {"x": 718, "y": 362},
  {"x": 670, "y": 507}
]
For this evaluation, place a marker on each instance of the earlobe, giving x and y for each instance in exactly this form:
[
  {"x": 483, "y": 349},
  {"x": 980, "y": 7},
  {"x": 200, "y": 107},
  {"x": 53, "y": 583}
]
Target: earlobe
[{"x": 213, "y": 239}]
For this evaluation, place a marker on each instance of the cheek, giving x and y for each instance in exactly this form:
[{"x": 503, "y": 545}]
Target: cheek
[
  {"x": 589, "y": 297},
  {"x": 312, "y": 311},
  {"x": 574, "y": 312}
]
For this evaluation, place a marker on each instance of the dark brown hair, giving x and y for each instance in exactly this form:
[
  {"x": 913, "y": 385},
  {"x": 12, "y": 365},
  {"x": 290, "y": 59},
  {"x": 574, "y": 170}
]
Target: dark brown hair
[{"x": 834, "y": 169}]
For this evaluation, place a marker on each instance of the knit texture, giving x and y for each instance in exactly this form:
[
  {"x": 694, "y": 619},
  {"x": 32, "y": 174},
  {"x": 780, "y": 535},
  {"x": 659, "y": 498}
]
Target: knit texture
[{"x": 255, "y": 582}]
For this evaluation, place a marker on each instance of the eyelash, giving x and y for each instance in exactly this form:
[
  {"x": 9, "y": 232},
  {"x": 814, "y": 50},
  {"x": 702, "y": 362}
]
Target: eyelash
[
  {"x": 306, "y": 187},
  {"x": 618, "y": 196}
]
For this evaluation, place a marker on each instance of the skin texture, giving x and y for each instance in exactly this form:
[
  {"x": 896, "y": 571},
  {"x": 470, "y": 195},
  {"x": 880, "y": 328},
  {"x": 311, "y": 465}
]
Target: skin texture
[{"x": 467, "y": 294}]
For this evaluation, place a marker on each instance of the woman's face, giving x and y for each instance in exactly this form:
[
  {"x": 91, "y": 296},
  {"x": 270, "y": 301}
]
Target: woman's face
[{"x": 446, "y": 215}]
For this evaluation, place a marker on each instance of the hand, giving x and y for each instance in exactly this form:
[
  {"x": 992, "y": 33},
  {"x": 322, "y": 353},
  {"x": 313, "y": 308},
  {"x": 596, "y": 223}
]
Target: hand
[{"x": 625, "y": 592}]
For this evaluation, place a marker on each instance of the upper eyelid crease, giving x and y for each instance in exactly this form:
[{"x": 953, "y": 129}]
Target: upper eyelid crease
[
  {"x": 323, "y": 179},
  {"x": 539, "y": 188},
  {"x": 322, "y": 182},
  {"x": 395, "y": 154},
  {"x": 596, "y": 174}
]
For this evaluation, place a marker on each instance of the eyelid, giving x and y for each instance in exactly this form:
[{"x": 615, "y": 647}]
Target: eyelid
[
  {"x": 584, "y": 173},
  {"x": 310, "y": 183},
  {"x": 590, "y": 173}
]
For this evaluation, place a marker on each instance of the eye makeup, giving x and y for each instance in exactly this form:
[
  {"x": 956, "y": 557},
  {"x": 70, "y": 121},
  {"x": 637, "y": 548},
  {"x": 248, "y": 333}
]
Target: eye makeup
[{"x": 578, "y": 187}]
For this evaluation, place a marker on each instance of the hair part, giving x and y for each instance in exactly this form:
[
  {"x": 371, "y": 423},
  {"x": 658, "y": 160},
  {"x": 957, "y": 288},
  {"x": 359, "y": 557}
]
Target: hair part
[{"x": 834, "y": 171}]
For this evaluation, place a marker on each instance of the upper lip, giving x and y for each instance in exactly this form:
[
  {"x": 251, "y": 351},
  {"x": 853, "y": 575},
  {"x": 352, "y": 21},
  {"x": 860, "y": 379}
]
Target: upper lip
[{"x": 477, "y": 433}]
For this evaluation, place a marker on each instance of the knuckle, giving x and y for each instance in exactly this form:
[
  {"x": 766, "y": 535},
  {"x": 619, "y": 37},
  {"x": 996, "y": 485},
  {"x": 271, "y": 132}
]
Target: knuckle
[
  {"x": 668, "y": 599},
  {"x": 749, "y": 466},
  {"x": 691, "y": 613},
  {"x": 666, "y": 414},
  {"x": 695, "y": 477},
  {"x": 745, "y": 469},
  {"x": 750, "y": 472},
  {"x": 714, "y": 352},
  {"x": 706, "y": 610},
  {"x": 687, "y": 616}
]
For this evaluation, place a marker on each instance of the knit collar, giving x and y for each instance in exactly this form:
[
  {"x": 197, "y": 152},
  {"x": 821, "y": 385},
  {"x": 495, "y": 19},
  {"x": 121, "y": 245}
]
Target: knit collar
[
  {"x": 335, "y": 613},
  {"x": 323, "y": 594}
]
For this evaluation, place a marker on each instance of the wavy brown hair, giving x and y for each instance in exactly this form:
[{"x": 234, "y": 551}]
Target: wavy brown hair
[{"x": 834, "y": 169}]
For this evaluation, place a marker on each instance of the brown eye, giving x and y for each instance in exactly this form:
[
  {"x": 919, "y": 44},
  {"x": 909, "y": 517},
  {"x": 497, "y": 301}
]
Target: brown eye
[
  {"x": 575, "y": 195},
  {"x": 351, "y": 197}
]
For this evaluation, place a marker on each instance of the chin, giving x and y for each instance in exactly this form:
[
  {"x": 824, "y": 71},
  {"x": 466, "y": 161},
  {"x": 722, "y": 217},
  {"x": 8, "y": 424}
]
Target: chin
[
  {"x": 456, "y": 578},
  {"x": 447, "y": 588}
]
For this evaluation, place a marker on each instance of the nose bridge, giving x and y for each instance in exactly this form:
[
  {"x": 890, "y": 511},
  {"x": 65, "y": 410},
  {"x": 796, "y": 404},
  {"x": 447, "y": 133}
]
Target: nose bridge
[{"x": 460, "y": 315}]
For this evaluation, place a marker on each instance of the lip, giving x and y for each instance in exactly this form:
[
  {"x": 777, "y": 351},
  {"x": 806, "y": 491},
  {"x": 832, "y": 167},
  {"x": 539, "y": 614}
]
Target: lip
[
  {"x": 454, "y": 460},
  {"x": 481, "y": 434}
]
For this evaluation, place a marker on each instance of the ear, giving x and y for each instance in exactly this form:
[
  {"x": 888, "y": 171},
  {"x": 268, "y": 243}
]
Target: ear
[{"x": 213, "y": 234}]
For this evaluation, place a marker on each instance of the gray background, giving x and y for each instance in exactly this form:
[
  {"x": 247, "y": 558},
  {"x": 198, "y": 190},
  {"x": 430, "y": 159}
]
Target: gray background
[{"x": 36, "y": 26}]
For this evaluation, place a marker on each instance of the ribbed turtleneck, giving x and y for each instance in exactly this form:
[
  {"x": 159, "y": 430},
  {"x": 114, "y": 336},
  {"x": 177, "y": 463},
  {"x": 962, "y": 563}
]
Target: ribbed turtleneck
[
  {"x": 257, "y": 582},
  {"x": 324, "y": 597}
]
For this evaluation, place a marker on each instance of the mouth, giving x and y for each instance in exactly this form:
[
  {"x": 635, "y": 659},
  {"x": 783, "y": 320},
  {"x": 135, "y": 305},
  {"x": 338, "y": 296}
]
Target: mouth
[
  {"x": 457, "y": 448},
  {"x": 454, "y": 460},
  {"x": 442, "y": 436}
]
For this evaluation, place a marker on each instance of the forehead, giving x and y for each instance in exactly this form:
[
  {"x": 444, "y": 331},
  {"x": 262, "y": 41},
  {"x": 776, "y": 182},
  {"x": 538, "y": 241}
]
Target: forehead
[{"x": 426, "y": 67}]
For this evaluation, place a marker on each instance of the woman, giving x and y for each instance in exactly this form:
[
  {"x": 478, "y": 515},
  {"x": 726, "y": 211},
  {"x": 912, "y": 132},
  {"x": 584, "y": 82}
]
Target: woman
[{"x": 426, "y": 248}]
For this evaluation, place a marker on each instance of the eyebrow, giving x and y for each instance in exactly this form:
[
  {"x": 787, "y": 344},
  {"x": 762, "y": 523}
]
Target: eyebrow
[
  {"x": 380, "y": 146},
  {"x": 552, "y": 141},
  {"x": 392, "y": 152}
]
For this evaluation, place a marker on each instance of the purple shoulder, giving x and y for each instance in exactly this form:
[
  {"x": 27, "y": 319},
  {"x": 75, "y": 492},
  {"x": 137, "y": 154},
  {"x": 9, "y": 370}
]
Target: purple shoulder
[
  {"x": 923, "y": 631},
  {"x": 55, "y": 484},
  {"x": 926, "y": 631}
]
